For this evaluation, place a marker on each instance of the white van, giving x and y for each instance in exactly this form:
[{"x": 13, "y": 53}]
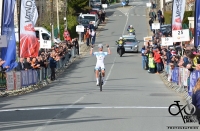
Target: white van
[
  {"x": 41, "y": 34},
  {"x": 92, "y": 17}
]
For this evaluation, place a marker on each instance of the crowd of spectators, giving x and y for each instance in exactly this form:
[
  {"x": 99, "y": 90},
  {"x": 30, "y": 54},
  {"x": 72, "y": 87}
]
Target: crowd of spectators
[
  {"x": 46, "y": 57},
  {"x": 157, "y": 59}
]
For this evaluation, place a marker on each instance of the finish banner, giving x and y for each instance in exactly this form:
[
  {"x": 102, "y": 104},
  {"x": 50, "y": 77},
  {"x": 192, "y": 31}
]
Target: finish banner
[
  {"x": 29, "y": 45},
  {"x": 177, "y": 14},
  {"x": 197, "y": 24}
]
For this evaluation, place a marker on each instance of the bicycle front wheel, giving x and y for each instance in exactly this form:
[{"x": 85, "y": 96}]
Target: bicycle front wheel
[{"x": 100, "y": 82}]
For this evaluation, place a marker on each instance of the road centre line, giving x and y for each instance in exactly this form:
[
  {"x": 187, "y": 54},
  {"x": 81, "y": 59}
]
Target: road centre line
[{"x": 83, "y": 107}]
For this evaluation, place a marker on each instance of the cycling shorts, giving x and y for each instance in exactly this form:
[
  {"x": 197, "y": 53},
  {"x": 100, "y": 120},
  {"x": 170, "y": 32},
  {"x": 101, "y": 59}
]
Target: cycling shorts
[{"x": 100, "y": 65}]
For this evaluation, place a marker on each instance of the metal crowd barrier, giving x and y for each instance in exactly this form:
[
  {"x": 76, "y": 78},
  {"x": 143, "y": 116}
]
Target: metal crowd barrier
[
  {"x": 182, "y": 80},
  {"x": 15, "y": 80}
]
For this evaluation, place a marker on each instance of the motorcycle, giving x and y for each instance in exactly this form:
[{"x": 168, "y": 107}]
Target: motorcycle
[
  {"x": 131, "y": 32},
  {"x": 120, "y": 49}
]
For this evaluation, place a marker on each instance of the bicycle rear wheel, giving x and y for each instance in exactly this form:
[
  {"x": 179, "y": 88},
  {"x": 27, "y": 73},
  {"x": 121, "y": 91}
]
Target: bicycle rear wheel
[{"x": 100, "y": 82}]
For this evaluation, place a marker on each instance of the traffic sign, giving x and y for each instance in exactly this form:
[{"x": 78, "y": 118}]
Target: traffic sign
[
  {"x": 148, "y": 4},
  {"x": 79, "y": 28},
  {"x": 155, "y": 26},
  {"x": 166, "y": 41},
  {"x": 181, "y": 35},
  {"x": 3, "y": 41},
  {"x": 104, "y": 6},
  {"x": 45, "y": 44}
]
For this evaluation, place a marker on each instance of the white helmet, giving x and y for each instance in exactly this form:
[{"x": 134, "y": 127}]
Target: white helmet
[
  {"x": 120, "y": 38},
  {"x": 131, "y": 26}
]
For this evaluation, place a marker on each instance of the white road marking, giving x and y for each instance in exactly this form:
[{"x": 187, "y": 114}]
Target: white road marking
[
  {"x": 83, "y": 107},
  {"x": 120, "y": 15},
  {"x": 143, "y": 15},
  {"x": 56, "y": 116},
  {"x": 138, "y": 15},
  {"x": 114, "y": 15}
]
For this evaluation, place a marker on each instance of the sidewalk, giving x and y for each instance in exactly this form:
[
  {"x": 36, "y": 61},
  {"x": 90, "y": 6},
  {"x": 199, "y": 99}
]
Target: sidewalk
[{"x": 150, "y": 33}]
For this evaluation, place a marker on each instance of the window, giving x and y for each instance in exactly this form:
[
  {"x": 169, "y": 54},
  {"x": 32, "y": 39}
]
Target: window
[
  {"x": 45, "y": 36},
  {"x": 37, "y": 34},
  {"x": 91, "y": 18},
  {"x": 130, "y": 40}
]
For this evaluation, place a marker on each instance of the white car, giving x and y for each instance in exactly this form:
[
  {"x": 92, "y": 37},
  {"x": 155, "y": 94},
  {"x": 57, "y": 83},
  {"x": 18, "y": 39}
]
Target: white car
[{"x": 92, "y": 17}]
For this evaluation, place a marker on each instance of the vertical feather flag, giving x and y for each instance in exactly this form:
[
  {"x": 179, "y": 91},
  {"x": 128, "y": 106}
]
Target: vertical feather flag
[
  {"x": 9, "y": 53},
  {"x": 29, "y": 45}
]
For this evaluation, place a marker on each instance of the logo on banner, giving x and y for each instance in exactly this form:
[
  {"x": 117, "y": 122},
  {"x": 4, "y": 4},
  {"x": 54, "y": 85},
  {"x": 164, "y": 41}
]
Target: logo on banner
[{"x": 186, "y": 112}]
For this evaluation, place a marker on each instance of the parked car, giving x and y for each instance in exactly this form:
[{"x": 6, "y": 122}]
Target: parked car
[
  {"x": 92, "y": 17},
  {"x": 131, "y": 43}
]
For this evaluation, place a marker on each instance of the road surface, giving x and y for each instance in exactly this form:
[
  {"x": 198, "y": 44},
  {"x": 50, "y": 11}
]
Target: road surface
[{"x": 132, "y": 99}]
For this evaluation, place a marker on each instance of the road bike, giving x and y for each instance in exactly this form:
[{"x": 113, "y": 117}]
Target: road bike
[{"x": 100, "y": 79}]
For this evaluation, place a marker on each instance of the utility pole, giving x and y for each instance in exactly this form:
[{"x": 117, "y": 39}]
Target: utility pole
[
  {"x": 89, "y": 4},
  {"x": 18, "y": 22},
  {"x": 65, "y": 16},
  {"x": 52, "y": 28},
  {"x": 58, "y": 23}
]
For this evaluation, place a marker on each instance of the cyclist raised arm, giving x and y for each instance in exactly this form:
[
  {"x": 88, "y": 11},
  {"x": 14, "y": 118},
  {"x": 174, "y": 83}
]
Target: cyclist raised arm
[{"x": 100, "y": 55}]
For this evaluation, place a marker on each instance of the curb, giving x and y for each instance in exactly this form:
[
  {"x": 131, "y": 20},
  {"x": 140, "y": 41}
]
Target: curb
[{"x": 175, "y": 87}]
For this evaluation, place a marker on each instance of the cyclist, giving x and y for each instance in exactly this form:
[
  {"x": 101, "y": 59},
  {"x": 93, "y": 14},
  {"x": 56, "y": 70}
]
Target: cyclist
[
  {"x": 131, "y": 29},
  {"x": 120, "y": 42},
  {"x": 100, "y": 55}
]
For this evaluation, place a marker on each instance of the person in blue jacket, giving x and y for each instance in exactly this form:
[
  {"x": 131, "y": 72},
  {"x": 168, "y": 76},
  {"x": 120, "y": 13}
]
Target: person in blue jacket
[
  {"x": 53, "y": 64},
  {"x": 196, "y": 99}
]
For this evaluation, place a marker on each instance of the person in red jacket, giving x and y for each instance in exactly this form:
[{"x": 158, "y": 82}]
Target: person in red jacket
[
  {"x": 66, "y": 35},
  {"x": 158, "y": 60}
]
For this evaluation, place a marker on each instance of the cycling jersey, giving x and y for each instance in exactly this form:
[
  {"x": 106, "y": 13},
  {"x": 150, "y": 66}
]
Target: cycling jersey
[{"x": 100, "y": 59}]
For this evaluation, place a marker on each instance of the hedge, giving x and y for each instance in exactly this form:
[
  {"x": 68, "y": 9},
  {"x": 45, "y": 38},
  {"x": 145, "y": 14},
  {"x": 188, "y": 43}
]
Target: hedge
[{"x": 168, "y": 17}]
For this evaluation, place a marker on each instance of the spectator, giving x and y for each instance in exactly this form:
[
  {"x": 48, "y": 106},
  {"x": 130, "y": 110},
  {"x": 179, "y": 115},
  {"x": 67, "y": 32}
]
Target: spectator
[
  {"x": 162, "y": 20},
  {"x": 150, "y": 23},
  {"x": 66, "y": 35},
  {"x": 103, "y": 15},
  {"x": 151, "y": 63},
  {"x": 27, "y": 64},
  {"x": 52, "y": 62},
  {"x": 196, "y": 99},
  {"x": 158, "y": 60},
  {"x": 34, "y": 64},
  {"x": 151, "y": 15},
  {"x": 1, "y": 65},
  {"x": 20, "y": 65},
  {"x": 93, "y": 37},
  {"x": 159, "y": 13},
  {"x": 87, "y": 36},
  {"x": 143, "y": 57},
  {"x": 91, "y": 26}
]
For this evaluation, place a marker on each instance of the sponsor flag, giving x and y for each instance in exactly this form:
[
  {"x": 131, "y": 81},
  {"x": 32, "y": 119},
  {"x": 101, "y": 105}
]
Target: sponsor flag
[
  {"x": 29, "y": 45},
  {"x": 9, "y": 53},
  {"x": 177, "y": 14},
  {"x": 197, "y": 24}
]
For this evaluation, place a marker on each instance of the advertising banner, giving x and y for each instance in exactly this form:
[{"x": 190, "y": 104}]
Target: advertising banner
[
  {"x": 35, "y": 77},
  {"x": 30, "y": 79},
  {"x": 197, "y": 24},
  {"x": 29, "y": 45},
  {"x": 10, "y": 81},
  {"x": 177, "y": 14},
  {"x": 24, "y": 78},
  {"x": 175, "y": 76},
  {"x": 8, "y": 53},
  {"x": 18, "y": 82}
]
